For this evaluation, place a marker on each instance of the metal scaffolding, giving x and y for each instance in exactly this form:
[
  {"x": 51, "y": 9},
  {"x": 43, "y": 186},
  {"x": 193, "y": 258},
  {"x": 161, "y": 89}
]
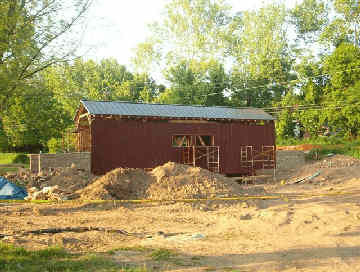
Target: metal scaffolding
[
  {"x": 253, "y": 158},
  {"x": 207, "y": 157}
]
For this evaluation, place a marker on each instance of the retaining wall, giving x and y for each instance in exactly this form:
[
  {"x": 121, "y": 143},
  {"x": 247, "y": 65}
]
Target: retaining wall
[
  {"x": 289, "y": 159},
  {"x": 43, "y": 161},
  {"x": 286, "y": 161}
]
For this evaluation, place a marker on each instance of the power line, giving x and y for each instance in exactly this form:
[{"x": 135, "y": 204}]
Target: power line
[
  {"x": 237, "y": 90},
  {"x": 271, "y": 110}
]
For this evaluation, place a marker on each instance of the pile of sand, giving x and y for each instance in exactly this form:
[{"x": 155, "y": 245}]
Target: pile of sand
[
  {"x": 169, "y": 181},
  {"x": 176, "y": 181},
  {"x": 68, "y": 178},
  {"x": 119, "y": 183}
]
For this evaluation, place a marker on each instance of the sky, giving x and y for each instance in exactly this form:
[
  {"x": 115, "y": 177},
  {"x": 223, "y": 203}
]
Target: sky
[{"x": 117, "y": 26}]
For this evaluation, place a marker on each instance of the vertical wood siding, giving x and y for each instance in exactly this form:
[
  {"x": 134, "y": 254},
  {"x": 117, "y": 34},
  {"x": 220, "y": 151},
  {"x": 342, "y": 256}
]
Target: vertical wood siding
[{"x": 140, "y": 144}]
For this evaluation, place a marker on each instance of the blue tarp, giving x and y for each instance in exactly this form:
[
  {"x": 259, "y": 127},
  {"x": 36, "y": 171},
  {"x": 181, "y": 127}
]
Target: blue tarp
[{"x": 9, "y": 190}]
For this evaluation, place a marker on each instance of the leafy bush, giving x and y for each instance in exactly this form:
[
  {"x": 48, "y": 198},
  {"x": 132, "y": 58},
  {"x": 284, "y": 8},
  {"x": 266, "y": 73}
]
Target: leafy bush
[
  {"x": 21, "y": 158},
  {"x": 55, "y": 145},
  {"x": 4, "y": 145},
  {"x": 7, "y": 158}
]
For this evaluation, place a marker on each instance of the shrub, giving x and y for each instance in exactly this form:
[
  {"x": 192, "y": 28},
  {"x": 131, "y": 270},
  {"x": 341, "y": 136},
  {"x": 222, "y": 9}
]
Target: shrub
[
  {"x": 55, "y": 145},
  {"x": 4, "y": 144},
  {"x": 21, "y": 158}
]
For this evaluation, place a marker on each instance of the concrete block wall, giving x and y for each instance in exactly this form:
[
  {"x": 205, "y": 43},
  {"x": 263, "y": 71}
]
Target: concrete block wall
[
  {"x": 289, "y": 159},
  {"x": 286, "y": 161},
  {"x": 34, "y": 162},
  {"x": 44, "y": 161}
]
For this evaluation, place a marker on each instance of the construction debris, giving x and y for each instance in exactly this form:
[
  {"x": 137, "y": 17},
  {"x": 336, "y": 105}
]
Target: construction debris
[
  {"x": 71, "y": 178},
  {"x": 53, "y": 183},
  {"x": 46, "y": 193},
  {"x": 75, "y": 229},
  {"x": 307, "y": 178},
  {"x": 72, "y": 229}
]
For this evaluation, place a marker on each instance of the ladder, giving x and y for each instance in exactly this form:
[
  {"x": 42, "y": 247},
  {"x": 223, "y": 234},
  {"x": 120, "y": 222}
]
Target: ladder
[
  {"x": 213, "y": 158},
  {"x": 247, "y": 158}
]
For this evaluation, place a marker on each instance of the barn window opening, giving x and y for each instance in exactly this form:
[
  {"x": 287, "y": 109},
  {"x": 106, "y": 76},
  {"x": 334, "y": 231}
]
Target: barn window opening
[
  {"x": 181, "y": 140},
  {"x": 192, "y": 140},
  {"x": 204, "y": 140}
]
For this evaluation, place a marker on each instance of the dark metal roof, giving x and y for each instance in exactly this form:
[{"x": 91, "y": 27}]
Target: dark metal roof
[{"x": 173, "y": 111}]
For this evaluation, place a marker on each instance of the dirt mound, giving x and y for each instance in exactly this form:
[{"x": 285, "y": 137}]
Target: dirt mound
[
  {"x": 69, "y": 179},
  {"x": 118, "y": 184},
  {"x": 169, "y": 181},
  {"x": 176, "y": 181},
  {"x": 333, "y": 169}
]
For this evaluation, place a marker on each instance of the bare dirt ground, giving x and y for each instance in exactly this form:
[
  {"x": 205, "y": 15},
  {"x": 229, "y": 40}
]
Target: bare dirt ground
[{"x": 317, "y": 232}]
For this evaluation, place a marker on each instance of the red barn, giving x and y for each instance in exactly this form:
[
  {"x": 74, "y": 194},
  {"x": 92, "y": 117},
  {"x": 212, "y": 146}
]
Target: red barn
[{"x": 232, "y": 141}]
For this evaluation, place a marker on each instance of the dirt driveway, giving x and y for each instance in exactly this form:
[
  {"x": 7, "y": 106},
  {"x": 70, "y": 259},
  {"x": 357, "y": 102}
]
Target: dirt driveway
[{"x": 318, "y": 233}]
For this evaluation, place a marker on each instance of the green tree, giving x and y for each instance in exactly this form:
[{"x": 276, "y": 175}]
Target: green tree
[
  {"x": 217, "y": 81},
  {"x": 189, "y": 30},
  {"x": 106, "y": 80},
  {"x": 196, "y": 82},
  {"x": 247, "y": 91},
  {"x": 141, "y": 88},
  {"x": 184, "y": 84},
  {"x": 33, "y": 36},
  {"x": 342, "y": 93},
  {"x": 310, "y": 17},
  {"x": 286, "y": 117},
  {"x": 71, "y": 82},
  {"x": 263, "y": 59},
  {"x": 33, "y": 118},
  {"x": 3, "y": 139},
  {"x": 349, "y": 10}
]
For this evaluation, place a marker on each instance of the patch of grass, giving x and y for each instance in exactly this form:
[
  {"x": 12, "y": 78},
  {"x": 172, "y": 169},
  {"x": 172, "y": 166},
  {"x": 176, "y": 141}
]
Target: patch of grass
[
  {"x": 135, "y": 248},
  {"x": 155, "y": 254},
  {"x": 321, "y": 140},
  {"x": 54, "y": 259},
  {"x": 159, "y": 255},
  {"x": 7, "y": 158},
  {"x": 350, "y": 149},
  {"x": 165, "y": 255},
  {"x": 132, "y": 269},
  {"x": 196, "y": 258},
  {"x": 162, "y": 255}
]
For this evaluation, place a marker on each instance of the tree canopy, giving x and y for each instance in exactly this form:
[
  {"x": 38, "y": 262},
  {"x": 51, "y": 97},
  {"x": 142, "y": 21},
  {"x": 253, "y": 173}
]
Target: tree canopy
[{"x": 300, "y": 64}]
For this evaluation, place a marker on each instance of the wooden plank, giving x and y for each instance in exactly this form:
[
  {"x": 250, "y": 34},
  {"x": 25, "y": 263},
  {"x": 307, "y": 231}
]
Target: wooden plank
[
  {"x": 182, "y": 141},
  {"x": 83, "y": 115},
  {"x": 189, "y": 121},
  {"x": 201, "y": 140}
]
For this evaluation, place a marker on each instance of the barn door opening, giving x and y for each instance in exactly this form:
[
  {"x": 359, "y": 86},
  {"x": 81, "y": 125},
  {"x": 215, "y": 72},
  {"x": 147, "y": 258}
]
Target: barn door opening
[
  {"x": 252, "y": 158},
  {"x": 198, "y": 151}
]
